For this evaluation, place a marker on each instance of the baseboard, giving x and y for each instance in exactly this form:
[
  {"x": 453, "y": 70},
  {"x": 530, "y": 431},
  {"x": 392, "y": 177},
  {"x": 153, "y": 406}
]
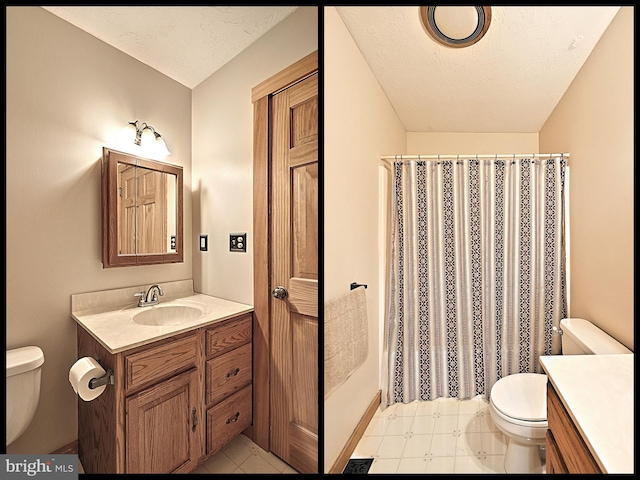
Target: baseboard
[
  {"x": 355, "y": 437},
  {"x": 71, "y": 448}
]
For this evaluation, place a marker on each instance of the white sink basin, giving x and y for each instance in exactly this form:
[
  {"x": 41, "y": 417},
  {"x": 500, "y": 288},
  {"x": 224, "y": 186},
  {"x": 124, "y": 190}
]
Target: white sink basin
[{"x": 161, "y": 315}]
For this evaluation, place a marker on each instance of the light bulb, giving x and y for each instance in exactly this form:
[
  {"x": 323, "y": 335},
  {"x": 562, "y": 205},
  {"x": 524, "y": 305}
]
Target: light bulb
[
  {"x": 147, "y": 139},
  {"x": 128, "y": 134},
  {"x": 161, "y": 147}
]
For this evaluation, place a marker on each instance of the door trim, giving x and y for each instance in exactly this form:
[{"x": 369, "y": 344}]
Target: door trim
[{"x": 261, "y": 96}]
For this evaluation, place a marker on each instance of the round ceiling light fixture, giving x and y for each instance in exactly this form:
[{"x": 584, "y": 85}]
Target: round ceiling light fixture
[{"x": 456, "y": 26}]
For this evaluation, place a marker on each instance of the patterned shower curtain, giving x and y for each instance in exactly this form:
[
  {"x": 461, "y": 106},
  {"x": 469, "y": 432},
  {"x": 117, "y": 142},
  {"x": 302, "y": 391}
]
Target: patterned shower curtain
[{"x": 477, "y": 274}]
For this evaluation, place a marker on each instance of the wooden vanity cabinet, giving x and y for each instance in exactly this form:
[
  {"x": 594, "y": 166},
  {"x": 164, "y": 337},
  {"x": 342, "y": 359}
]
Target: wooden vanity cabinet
[
  {"x": 162, "y": 407},
  {"x": 566, "y": 450},
  {"x": 174, "y": 401},
  {"x": 161, "y": 427},
  {"x": 228, "y": 376}
]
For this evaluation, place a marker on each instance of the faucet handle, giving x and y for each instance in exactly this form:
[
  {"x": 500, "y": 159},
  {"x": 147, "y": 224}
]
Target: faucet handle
[{"x": 142, "y": 296}]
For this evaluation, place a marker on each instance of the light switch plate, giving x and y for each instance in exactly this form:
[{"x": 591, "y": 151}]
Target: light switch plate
[
  {"x": 203, "y": 243},
  {"x": 238, "y": 242}
]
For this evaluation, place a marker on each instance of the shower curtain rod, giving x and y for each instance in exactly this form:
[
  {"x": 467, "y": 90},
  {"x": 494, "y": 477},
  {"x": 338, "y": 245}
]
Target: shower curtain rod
[{"x": 495, "y": 155}]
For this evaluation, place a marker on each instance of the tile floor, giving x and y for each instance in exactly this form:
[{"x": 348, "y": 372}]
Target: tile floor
[
  {"x": 241, "y": 455},
  {"x": 440, "y": 436}
]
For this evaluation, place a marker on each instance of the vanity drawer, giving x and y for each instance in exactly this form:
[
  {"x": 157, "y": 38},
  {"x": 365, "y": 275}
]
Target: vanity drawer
[
  {"x": 228, "y": 419},
  {"x": 162, "y": 361},
  {"x": 228, "y": 373},
  {"x": 229, "y": 334}
]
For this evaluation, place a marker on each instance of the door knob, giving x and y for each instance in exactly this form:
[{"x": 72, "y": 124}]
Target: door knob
[{"x": 280, "y": 293}]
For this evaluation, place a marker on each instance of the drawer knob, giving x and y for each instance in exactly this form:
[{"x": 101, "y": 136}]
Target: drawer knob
[
  {"x": 234, "y": 418},
  {"x": 233, "y": 373}
]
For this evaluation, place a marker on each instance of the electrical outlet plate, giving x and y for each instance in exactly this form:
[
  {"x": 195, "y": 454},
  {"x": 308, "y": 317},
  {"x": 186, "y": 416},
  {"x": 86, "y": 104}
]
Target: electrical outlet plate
[{"x": 238, "y": 242}]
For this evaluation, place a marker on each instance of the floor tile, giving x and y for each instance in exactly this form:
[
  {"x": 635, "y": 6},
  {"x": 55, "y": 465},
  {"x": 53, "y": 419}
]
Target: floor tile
[
  {"x": 399, "y": 426},
  {"x": 441, "y": 464},
  {"x": 391, "y": 446},
  {"x": 417, "y": 446},
  {"x": 385, "y": 465},
  {"x": 443, "y": 445},
  {"x": 467, "y": 464},
  {"x": 445, "y": 424},
  {"x": 377, "y": 426},
  {"x": 412, "y": 465},
  {"x": 367, "y": 447},
  {"x": 440, "y": 436},
  {"x": 423, "y": 425},
  {"x": 242, "y": 456}
]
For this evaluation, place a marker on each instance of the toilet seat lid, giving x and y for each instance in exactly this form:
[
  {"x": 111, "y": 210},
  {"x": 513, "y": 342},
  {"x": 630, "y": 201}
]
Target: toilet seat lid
[{"x": 522, "y": 396}]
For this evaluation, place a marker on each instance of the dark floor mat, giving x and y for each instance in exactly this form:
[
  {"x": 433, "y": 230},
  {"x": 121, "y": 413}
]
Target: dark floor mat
[{"x": 358, "y": 465}]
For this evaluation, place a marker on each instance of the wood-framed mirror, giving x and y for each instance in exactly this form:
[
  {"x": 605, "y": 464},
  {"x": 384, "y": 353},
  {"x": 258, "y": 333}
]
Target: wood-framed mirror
[{"x": 142, "y": 211}]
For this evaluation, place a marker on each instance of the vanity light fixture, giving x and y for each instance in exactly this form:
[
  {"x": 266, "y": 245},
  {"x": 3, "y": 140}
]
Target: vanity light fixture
[
  {"x": 456, "y": 26},
  {"x": 145, "y": 136}
]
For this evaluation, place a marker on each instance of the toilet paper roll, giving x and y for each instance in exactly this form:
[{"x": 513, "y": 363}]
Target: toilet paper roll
[{"x": 81, "y": 373}]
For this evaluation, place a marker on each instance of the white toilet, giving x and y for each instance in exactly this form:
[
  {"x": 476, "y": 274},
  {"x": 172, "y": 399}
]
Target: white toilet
[
  {"x": 24, "y": 367},
  {"x": 518, "y": 402}
]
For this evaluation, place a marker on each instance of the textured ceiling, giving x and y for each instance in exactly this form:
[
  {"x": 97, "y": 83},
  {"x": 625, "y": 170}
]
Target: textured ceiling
[
  {"x": 187, "y": 44},
  {"x": 510, "y": 81}
]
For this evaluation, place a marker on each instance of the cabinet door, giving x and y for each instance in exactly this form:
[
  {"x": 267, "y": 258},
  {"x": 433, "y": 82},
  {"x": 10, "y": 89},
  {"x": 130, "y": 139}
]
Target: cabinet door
[
  {"x": 163, "y": 434},
  {"x": 555, "y": 464},
  {"x": 568, "y": 445}
]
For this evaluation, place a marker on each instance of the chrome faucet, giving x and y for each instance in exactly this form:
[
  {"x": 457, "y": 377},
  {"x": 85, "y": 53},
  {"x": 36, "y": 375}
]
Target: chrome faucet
[{"x": 150, "y": 297}]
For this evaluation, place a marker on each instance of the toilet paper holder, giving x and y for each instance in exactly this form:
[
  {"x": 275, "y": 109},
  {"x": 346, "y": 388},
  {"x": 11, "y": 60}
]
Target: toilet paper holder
[{"x": 106, "y": 379}]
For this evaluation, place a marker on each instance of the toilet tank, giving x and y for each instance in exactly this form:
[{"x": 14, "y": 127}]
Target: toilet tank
[
  {"x": 581, "y": 337},
  {"x": 24, "y": 367}
]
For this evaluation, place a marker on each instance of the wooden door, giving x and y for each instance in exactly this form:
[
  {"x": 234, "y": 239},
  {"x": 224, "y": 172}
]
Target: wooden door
[
  {"x": 142, "y": 210},
  {"x": 294, "y": 276},
  {"x": 162, "y": 435},
  {"x": 151, "y": 211},
  {"x": 126, "y": 209}
]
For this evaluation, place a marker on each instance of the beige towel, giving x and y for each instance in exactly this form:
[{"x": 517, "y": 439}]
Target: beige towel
[{"x": 345, "y": 337}]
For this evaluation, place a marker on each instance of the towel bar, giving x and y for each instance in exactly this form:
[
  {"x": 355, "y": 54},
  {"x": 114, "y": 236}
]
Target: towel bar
[{"x": 356, "y": 285}]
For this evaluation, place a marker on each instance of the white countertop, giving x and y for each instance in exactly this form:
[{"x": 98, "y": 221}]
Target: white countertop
[
  {"x": 114, "y": 328},
  {"x": 597, "y": 391}
]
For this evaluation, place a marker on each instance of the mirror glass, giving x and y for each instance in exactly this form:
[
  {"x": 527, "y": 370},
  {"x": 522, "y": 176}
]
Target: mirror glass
[{"x": 142, "y": 210}]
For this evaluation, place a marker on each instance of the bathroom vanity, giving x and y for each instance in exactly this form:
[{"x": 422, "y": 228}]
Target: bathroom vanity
[
  {"x": 180, "y": 391},
  {"x": 590, "y": 413}
]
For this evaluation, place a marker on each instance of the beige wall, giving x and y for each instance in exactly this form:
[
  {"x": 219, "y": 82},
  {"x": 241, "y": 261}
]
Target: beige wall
[
  {"x": 223, "y": 154},
  {"x": 594, "y": 121},
  {"x": 68, "y": 95},
  {"x": 431, "y": 143},
  {"x": 359, "y": 126}
]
